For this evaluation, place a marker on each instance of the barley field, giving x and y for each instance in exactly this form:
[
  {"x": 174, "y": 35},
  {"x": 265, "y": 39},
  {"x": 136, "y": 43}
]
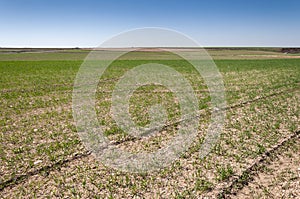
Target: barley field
[{"x": 257, "y": 155}]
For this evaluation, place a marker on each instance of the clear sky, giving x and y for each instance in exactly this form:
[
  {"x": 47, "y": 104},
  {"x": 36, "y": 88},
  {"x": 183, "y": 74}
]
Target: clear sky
[{"x": 87, "y": 23}]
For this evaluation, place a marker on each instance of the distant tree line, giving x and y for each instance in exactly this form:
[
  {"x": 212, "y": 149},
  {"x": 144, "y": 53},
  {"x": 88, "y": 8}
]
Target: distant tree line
[{"x": 290, "y": 50}]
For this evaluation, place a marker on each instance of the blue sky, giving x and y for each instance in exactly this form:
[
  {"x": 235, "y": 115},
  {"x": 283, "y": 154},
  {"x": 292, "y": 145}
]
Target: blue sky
[{"x": 87, "y": 23}]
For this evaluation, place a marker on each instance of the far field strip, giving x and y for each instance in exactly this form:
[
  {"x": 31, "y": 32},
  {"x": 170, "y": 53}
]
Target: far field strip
[{"x": 80, "y": 54}]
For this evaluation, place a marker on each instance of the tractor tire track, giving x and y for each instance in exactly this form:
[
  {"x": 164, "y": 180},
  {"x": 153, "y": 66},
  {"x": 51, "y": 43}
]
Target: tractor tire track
[{"x": 238, "y": 182}]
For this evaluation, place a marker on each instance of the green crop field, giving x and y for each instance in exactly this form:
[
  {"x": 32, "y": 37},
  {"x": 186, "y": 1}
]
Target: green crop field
[{"x": 257, "y": 154}]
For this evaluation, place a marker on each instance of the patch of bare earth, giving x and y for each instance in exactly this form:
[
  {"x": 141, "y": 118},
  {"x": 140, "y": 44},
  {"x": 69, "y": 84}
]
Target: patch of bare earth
[{"x": 279, "y": 179}]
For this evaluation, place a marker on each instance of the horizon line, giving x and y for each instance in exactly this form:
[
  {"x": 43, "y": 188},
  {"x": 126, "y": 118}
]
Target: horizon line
[{"x": 91, "y": 47}]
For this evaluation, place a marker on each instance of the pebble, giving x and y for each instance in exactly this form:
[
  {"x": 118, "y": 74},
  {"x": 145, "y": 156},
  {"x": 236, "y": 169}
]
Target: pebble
[
  {"x": 37, "y": 162},
  {"x": 35, "y": 130}
]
